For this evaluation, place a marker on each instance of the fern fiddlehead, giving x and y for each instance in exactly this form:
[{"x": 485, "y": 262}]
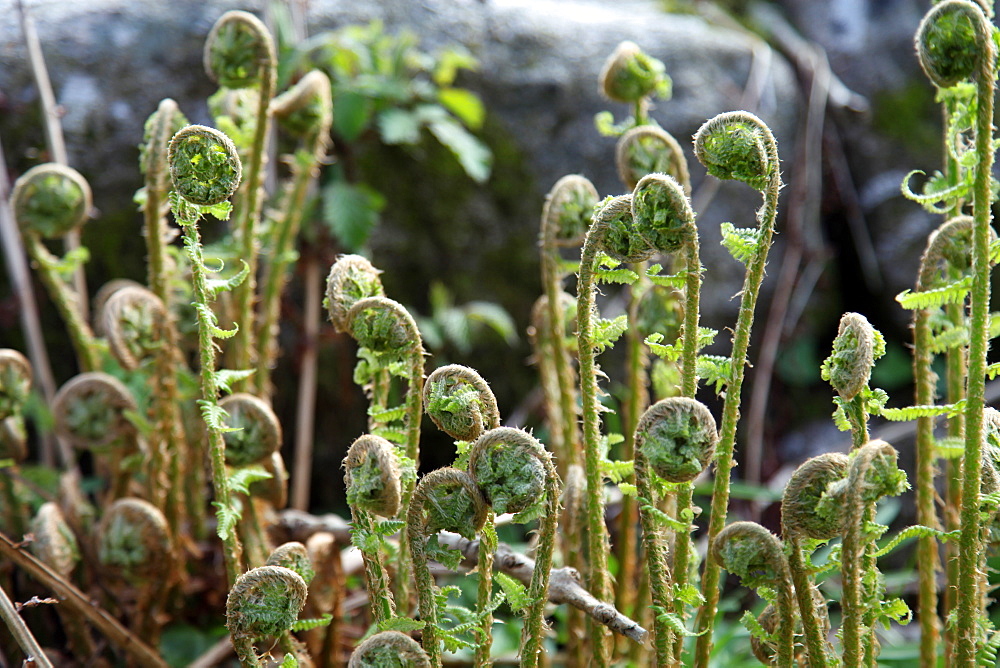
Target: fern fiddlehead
[
  {"x": 445, "y": 499},
  {"x": 50, "y": 201},
  {"x": 205, "y": 171},
  {"x": 738, "y": 146},
  {"x": 91, "y": 412},
  {"x": 611, "y": 231},
  {"x": 240, "y": 53},
  {"x": 134, "y": 542},
  {"x": 372, "y": 479},
  {"x": 753, "y": 553},
  {"x": 872, "y": 475},
  {"x": 946, "y": 254},
  {"x": 306, "y": 111},
  {"x": 565, "y": 219},
  {"x": 801, "y": 519},
  {"x": 675, "y": 439},
  {"x": 460, "y": 402},
  {"x": 516, "y": 474},
  {"x": 264, "y": 601},
  {"x": 955, "y": 42},
  {"x": 389, "y": 649}
]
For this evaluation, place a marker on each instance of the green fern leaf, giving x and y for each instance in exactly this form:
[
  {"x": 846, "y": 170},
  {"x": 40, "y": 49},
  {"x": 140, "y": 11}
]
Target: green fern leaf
[
  {"x": 914, "y": 412},
  {"x": 308, "y": 624},
  {"x": 742, "y": 243},
  {"x": 916, "y": 531},
  {"x": 714, "y": 369},
  {"x": 217, "y": 285},
  {"x": 935, "y": 191},
  {"x": 620, "y": 276},
  {"x": 239, "y": 481},
  {"x": 606, "y": 332},
  {"x": 224, "y": 378},
  {"x": 515, "y": 592},
  {"x": 952, "y": 293}
]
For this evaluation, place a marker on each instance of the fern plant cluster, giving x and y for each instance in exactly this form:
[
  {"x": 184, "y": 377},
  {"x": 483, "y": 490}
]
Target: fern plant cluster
[{"x": 171, "y": 418}]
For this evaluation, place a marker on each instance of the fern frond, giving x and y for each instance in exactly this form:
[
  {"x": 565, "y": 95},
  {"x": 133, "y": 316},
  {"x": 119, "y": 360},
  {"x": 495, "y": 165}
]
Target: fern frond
[
  {"x": 914, "y": 412},
  {"x": 714, "y": 369},
  {"x": 952, "y": 293},
  {"x": 307, "y": 624},
  {"x": 620, "y": 275},
  {"x": 224, "y": 378},
  {"x": 606, "y": 332},
  {"x": 742, "y": 243},
  {"x": 915, "y": 531},
  {"x": 216, "y": 285}
]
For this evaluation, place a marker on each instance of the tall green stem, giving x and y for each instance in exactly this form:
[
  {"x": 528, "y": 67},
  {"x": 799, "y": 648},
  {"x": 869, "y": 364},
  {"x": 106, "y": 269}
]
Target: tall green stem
[{"x": 770, "y": 182}]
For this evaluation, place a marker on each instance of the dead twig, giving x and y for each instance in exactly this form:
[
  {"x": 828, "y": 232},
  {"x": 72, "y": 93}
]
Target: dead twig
[{"x": 564, "y": 583}]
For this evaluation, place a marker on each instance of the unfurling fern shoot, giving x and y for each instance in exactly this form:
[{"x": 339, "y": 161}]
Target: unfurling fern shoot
[
  {"x": 873, "y": 474},
  {"x": 956, "y": 42},
  {"x": 49, "y": 201},
  {"x": 736, "y": 145},
  {"x": 445, "y": 499},
  {"x": 675, "y": 441},
  {"x": 240, "y": 53},
  {"x": 946, "y": 258},
  {"x": 755, "y": 555},
  {"x": 611, "y": 232},
  {"x": 253, "y": 435},
  {"x": 565, "y": 219},
  {"x": 389, "y": 649},
  {"x": 460, "y": 402},
  {"x": 263, "y": 602},
  {"x": 802, "y": 519},
  {"x": 372, "y": 478},
  {"x": 307, "y": 112},
  {"x": 849, "y": 368},
  {"x": 516, "y": 474},
  {"x": 205, "y": 171},
  {"x": 91, "y": 412}
]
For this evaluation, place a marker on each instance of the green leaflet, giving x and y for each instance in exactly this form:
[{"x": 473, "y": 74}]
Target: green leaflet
[
  {"x": 914, "y": 412},
  {"x": 953, "y": 293},
  {"x": 224, "y": 378},
  {"x": 606, "y": 332},
  {"x": 714, "y": 369},
  {"x": 742, "y": 243},
  {"x": 514, "y": 592},
  {"x": 217, "y": 285},
  {"x": 307, "y": 624}
]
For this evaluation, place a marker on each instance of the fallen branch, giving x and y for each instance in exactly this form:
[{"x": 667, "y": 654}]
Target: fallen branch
[
  {"x": 564, "y": 583},
  {"x": 73, "y": 598}
]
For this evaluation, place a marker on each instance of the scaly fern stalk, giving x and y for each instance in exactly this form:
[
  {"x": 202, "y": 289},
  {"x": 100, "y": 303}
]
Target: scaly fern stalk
[
  {"x": 371, "y": 476},
  {"x": 872, "y": 475},
  {"x": 663, "y": 216},
  {"x": 240, "y": 53},
  {"x": 445, "y": 499},
  {"x": 307, "y": 109},
  {"x": 565, "y": 219},
  {"x": 955, "y": 42},
  {"x": 753, "y": 553},
  {"x": 801, "y": 520},
  {"x": 675, "y": 440},
  {"x": 736, "y": 145},
  {"x": 186, "y": 481},
  {"x": 614, "y": 214},
  {"x": 925, "y": 381},
  {"x": 263, "y": 602},
  {"x": 205, "y": 171}
]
